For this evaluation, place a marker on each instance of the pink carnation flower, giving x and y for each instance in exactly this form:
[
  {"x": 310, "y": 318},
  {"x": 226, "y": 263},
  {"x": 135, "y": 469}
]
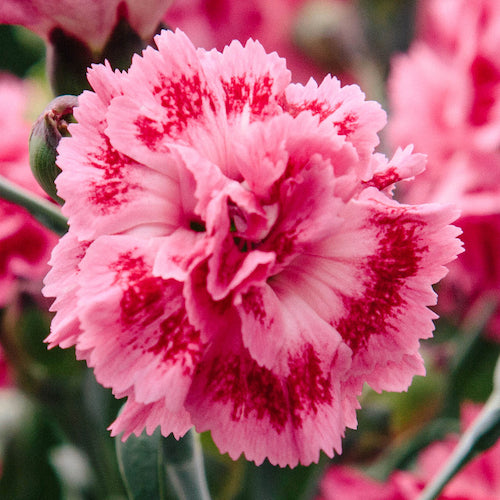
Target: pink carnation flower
[
  {"x": 91, "y": 21},
  {"x": 445, "y": 97},
  {"x": 25, "y": 245},
  {"x": 235, "y": 260},
  {"x": 478, "y": 480}
]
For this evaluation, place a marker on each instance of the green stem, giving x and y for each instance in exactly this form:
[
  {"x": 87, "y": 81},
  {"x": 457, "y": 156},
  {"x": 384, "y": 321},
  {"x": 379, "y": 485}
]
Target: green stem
[
  {"x": 183, "y": 461},
  {"x": 45, "y": 212}
]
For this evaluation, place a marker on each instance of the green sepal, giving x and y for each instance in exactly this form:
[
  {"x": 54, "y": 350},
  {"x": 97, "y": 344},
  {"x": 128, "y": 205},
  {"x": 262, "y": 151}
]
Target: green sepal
[{"x": 46, "y": 133}]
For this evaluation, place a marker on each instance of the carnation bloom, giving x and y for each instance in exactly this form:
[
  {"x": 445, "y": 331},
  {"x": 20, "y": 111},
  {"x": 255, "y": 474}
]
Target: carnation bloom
[
  {"x": 478, "y": 480},
  {"x": 25, "y": 245},
  {"x": 91, "y": 21},
  {"x": 235, "y": 260},
  {"x": 445, "y": 97}
]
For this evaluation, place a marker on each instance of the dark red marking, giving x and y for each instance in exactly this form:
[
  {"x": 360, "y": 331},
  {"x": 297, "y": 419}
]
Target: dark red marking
[
  {"x": 397, "y": 259},
  {"x": 149, "y": 131},
  {"x": 253, "y": 390},
  {"x": 384, "y": 179},
  {"x": 109, "y": 192},
  {"x": 253, "y": 303},
  {"x": 241, "y": 90},
  {"x": 308, "y": 387},
  {"x": 143, "y": 299},
  {"x": 178, "y": 341},
  {"x": 319, "y": 108},
  {"x": 348, "y": 125},
  {"x": 183, "y": 99}
]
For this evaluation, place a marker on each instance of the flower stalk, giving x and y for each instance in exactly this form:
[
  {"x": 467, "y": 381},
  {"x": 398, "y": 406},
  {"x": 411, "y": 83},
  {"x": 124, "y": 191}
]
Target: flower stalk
[{"x": 45, "y": 212}]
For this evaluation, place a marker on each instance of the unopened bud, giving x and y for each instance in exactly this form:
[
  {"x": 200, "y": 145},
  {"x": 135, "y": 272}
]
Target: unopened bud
[{"x": 46, "y": 133}]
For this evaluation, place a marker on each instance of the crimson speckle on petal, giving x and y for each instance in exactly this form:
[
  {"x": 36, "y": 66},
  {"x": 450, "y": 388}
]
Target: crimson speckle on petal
[
  {"x": 249, "y": 389},
  {"x": 178, "y": 341},
  {"x": 142, "y": 299},
  {"x": 255, "y": 391},
  {"x": 396, "y": 259},
  {"x": 110, "y": 191},
  {"x": 240, "y": 260},
  {"x": 179, "y": 112},
  {"x": 241, "y": 91},
  {"x": 348, "y": 125},
  {"x": 316, "y": 107},
  {"x": 253, "y": 303}
]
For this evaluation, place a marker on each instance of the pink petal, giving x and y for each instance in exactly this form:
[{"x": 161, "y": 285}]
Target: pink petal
[
  {"x": 150, "y": 346},
  {"x": 112, "y": 185},
  {"x": 286, "y": 416},
  {"x": 156, "y": 111},
  {"x": 136, "y": 417},
  {"x": 252, "y": 80},
  {"x": 352, "y": 117},
  {"x": 62, "y": 283},
  {"x": 397, "y": 255},
  {"x": 276, "y": 323}
]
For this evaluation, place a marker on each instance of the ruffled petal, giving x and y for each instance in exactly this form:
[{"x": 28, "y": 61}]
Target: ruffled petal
[
  {"x": 150, "y": 346},
  {"x": 136, "y": 417},
  {"x": 286, "y": 415},
  {"x": 252, "y": 81},
  {"x": 372, "y": 282},
  {"x": 154, "y": 105},
  {"x": 62, "y": 283},
  {"x": 345, "y": 108},
  {"x": 120, "y": 193}
]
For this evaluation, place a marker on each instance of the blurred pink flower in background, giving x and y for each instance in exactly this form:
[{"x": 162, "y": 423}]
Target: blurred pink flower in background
[
  {"x": 445, "y": 98},
  {"x": 312, "y": 35},
  {"x": 91, "y": 21},
  {"x": 478, "y": 480},
  {"x": 235, "y": 260},
  {"x": 25, "y": 245}
]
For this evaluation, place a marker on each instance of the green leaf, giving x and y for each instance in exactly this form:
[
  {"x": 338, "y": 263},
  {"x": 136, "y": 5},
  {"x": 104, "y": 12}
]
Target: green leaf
[
  {"x": 154, "y": 467},
  {"x": 184, "y": 467},
  {"x": 140, "y": 461}
]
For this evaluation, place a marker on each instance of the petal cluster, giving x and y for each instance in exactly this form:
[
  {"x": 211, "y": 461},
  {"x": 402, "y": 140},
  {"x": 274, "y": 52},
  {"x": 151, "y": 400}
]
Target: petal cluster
[{"x": 235, "y": 260}]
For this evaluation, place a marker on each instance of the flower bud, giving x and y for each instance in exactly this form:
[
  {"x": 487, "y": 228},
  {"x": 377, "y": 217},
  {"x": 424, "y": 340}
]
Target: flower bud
[{"x": 46, "y": 133}]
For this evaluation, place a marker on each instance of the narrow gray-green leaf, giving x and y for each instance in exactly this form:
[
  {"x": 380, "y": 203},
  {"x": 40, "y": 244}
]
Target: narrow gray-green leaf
[
  {"x": 183, "y": 461},
  {"x": 140, "y": 460}
]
